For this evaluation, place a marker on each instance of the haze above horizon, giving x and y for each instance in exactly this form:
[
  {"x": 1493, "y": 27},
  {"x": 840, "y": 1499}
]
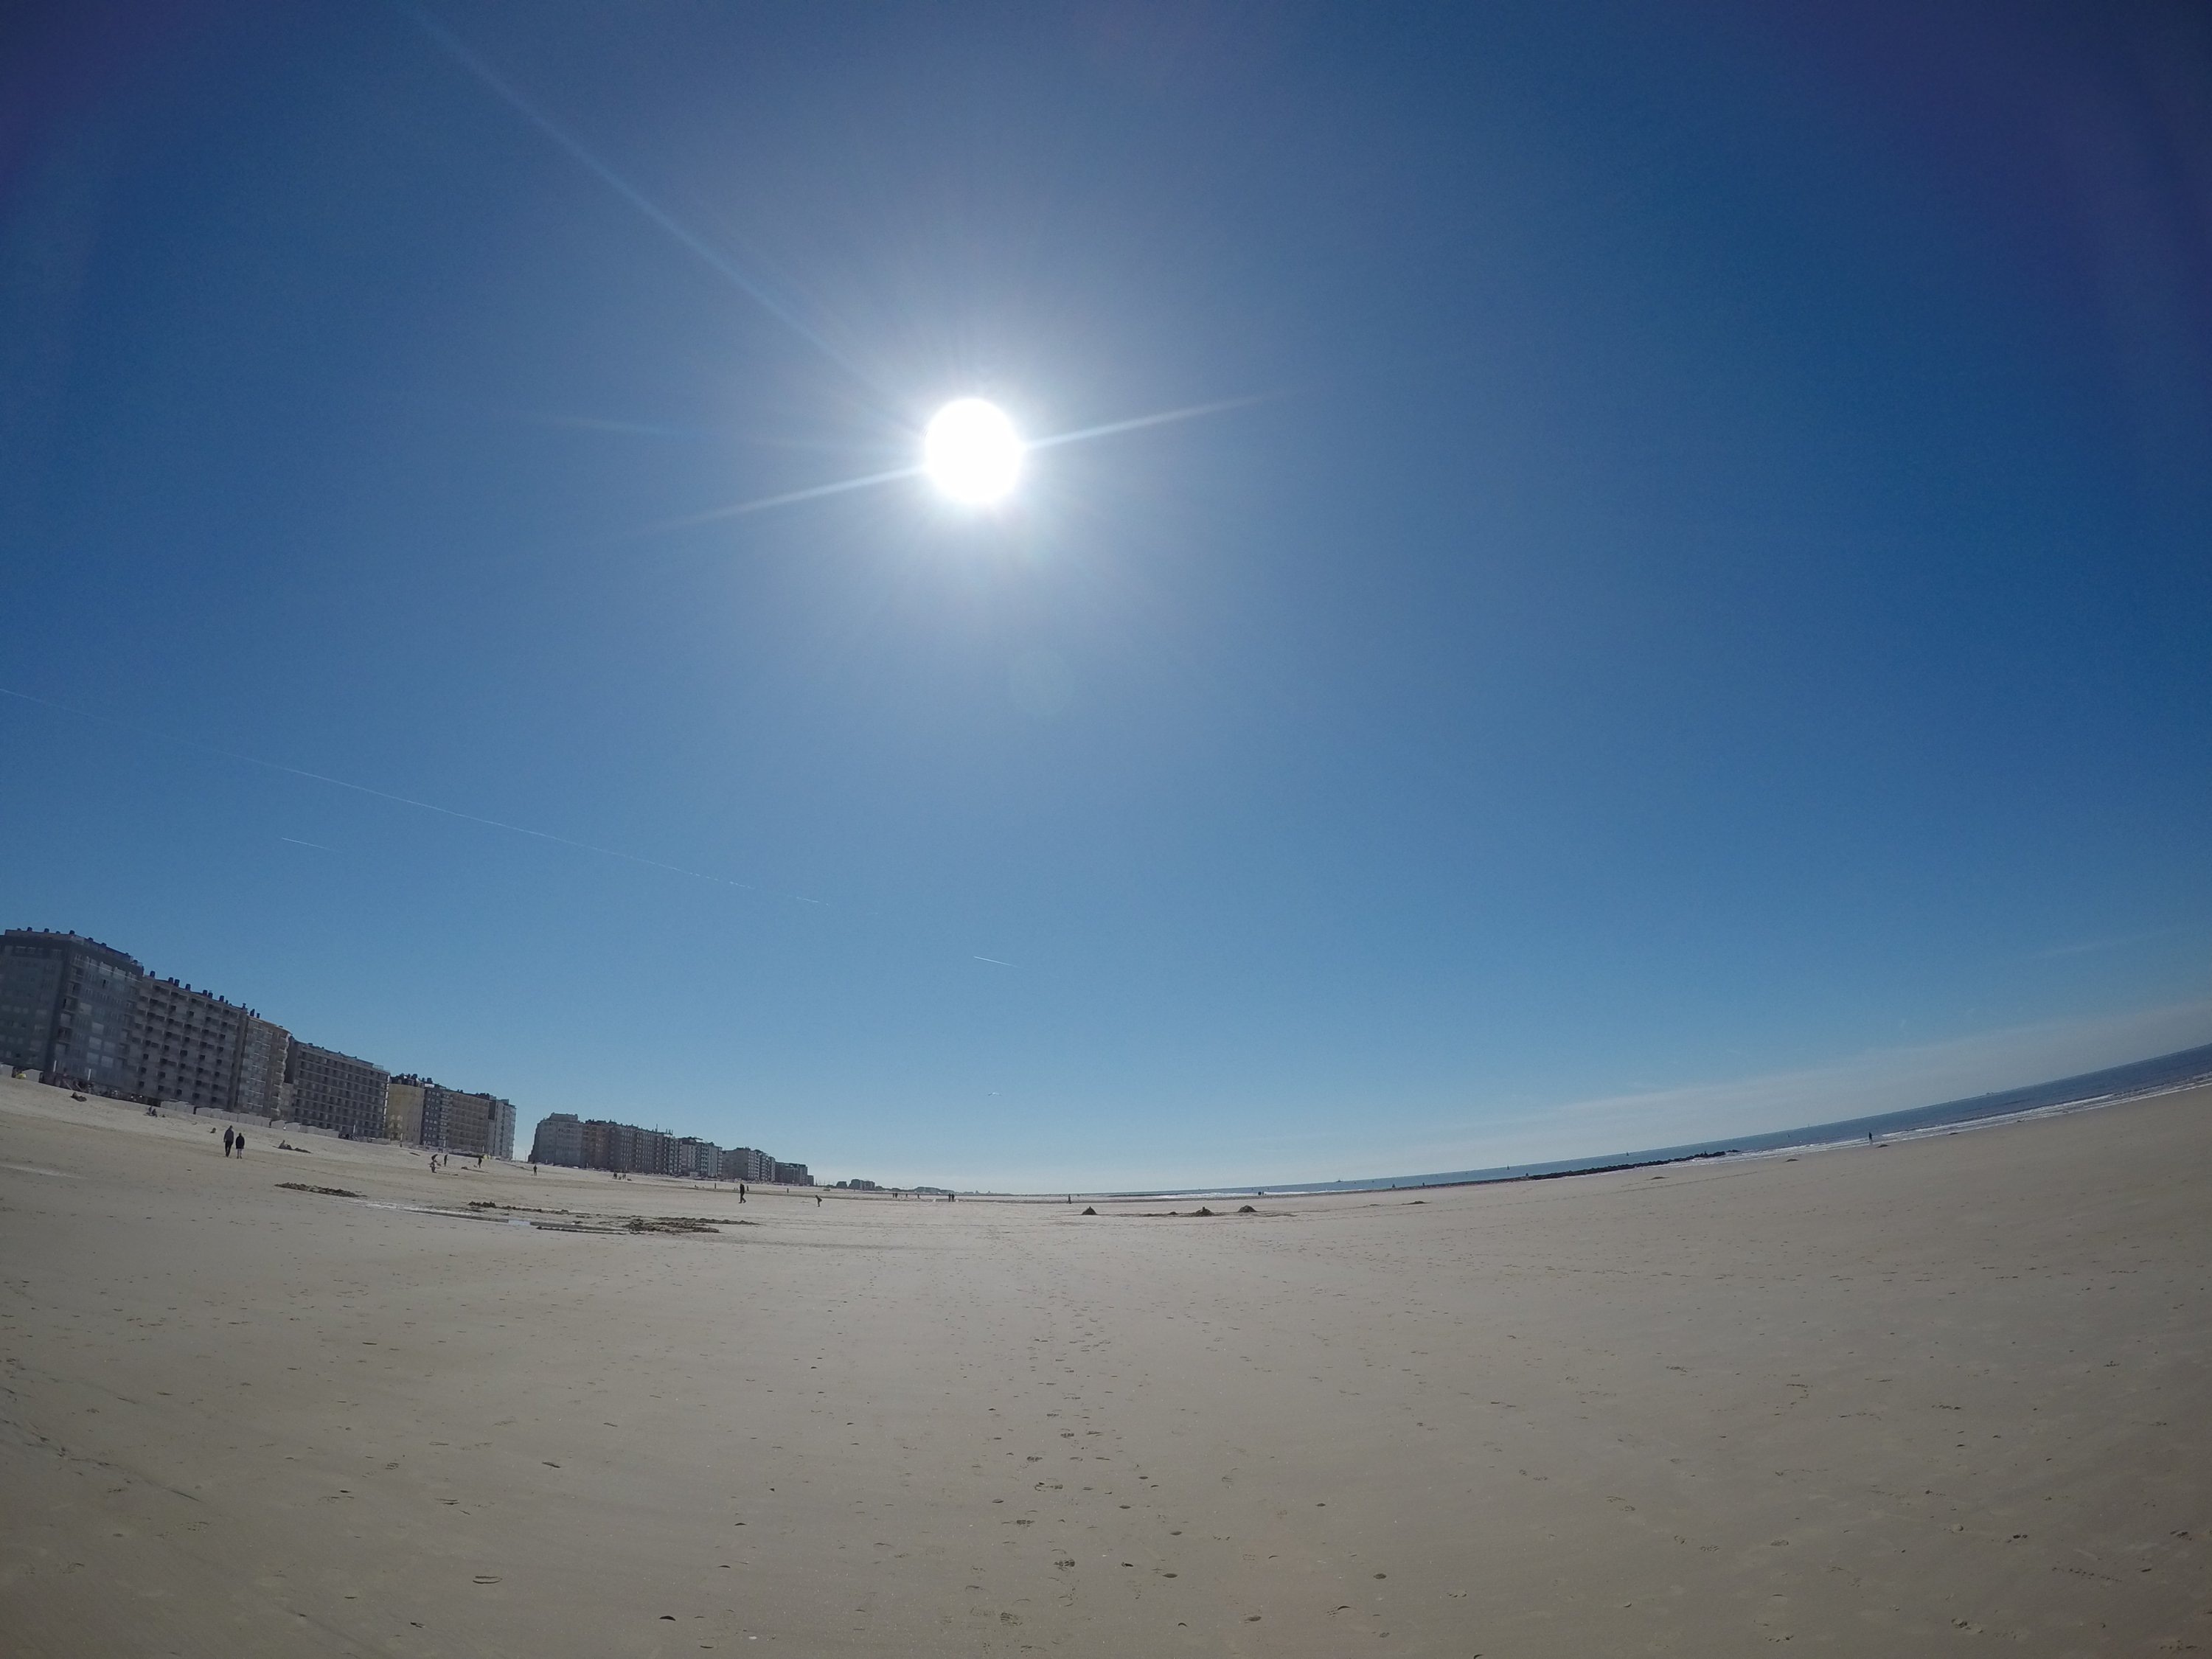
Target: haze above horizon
[{"x": 1578, "y": 580}]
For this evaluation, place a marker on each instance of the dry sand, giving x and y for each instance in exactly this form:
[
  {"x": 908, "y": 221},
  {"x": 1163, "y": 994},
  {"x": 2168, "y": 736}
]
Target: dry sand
[{"x": 1921, "y": 1400}]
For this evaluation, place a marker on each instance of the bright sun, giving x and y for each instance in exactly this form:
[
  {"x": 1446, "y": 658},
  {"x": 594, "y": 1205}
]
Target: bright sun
[{"x": 971, "y": 451}]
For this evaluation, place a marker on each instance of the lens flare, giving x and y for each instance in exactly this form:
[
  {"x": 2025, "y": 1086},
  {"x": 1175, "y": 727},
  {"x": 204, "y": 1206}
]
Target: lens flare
[{"x": 971, "y": 451}]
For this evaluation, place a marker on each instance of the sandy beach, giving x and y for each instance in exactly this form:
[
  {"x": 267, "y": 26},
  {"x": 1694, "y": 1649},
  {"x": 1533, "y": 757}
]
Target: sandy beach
[{"x": 1917, "y": 1398}]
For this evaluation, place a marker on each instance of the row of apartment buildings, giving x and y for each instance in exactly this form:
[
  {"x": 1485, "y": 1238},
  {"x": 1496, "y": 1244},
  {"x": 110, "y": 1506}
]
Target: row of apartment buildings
[
  {"x": 83, "y": 1014},
  {"x": 575, "y": 1143}
]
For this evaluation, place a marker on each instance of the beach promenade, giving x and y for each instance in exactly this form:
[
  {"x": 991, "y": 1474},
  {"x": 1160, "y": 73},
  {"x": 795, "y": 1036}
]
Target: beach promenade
[{"x": 1945, "y": 1397}]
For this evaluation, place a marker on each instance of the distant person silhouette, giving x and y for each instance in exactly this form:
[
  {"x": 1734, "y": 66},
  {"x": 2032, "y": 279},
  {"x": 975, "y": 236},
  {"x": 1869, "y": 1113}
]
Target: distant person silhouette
[
  {"x": 242, "y": 1146},
  {"x": 227, "y": 1137}
]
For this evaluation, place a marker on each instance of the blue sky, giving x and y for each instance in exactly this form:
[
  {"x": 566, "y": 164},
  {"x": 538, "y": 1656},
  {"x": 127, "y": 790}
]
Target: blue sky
[{"x": 1701, "y": 626}]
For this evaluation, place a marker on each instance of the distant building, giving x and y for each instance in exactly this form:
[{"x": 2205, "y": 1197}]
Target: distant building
[
  {"x": 744, "y": 1163},
  {"x": 335, "y": 1091},
  {"x": 559, "y": 1141},
  {"x": 858, "y": 1185},
  {"x": 422, "y": 1113},
  {"x": 65, "y": 1008},
  {"x": 184, "y": 1045},
  {"x": 91, "y": 1016},
  {"x": 700, "y": 1159},
  {"x": 793, "y": 1174},
  {"x": 567, "y": 1142},
  {"x": 457, "y": 1123},
  {"x": 625, "y": 1148},
  {"x": 263, "y": 1048},
  {"x": 403, "y": 1110}
]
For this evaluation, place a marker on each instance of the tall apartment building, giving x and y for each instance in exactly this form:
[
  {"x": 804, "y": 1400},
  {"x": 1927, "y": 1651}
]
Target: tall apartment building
[
  {"x": 623, "y": 1147},
  {"x": 603, "y": 1145},
  {"x": 403, "y": 1110},
  {"x": 656, "y": 1152},
  {"x": 184, "y": 1045},
  {"x": 467, "y": 1124},
  {"x": 700, "y": 1159},
  {"x": 199, "y": 1050},
  {"x": 263, "y": 1048},
  {"x": 91, "y": 1016},
  {"x": 744, "y": 1163},
  {"x": 596, "y": 1143},
  {"x": 793, "y": 1174},
  {"x": 422, "y": 1113},
  {"x": 559, "y": 1141},
  {"x": 65, "y": 1007},
  {"x": 330, "y": 1091}
]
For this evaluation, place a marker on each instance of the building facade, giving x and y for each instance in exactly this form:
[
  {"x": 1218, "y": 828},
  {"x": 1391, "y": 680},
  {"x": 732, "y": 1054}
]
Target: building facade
[
  {"x": 65, "y": 1008},
  {"x": 403, "y": 1110},
  {"x": 745, "y": 1164},
  {"x": 263, "y": 1048},
  {"x": 184, "y": 1045},
  {"x": 422, "y": 1113},
  {"x": 563, "y": 1140},
  {"x": 702, "y": 1160},
  {"x": 793, "y": 1174},
  {"x": 456, "y": 1122},
  {"x": 624, "y": 1148},
  {"x": 559, "y": 1141},
  {"x": 651, "y": 1152},
  {"x": 335, "y": 1091},
  {"x": 604, "y": 1145}
]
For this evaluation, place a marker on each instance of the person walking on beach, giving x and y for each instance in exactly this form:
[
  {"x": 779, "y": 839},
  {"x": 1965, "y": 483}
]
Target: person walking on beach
[
  {"x": 241, "y": 1143},
  {"x": 226, "y": 1138},
  {"x": 741, "y": 1192}
]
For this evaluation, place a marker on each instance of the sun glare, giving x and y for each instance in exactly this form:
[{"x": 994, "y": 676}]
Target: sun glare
[{"x": 971, "y": 451}]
